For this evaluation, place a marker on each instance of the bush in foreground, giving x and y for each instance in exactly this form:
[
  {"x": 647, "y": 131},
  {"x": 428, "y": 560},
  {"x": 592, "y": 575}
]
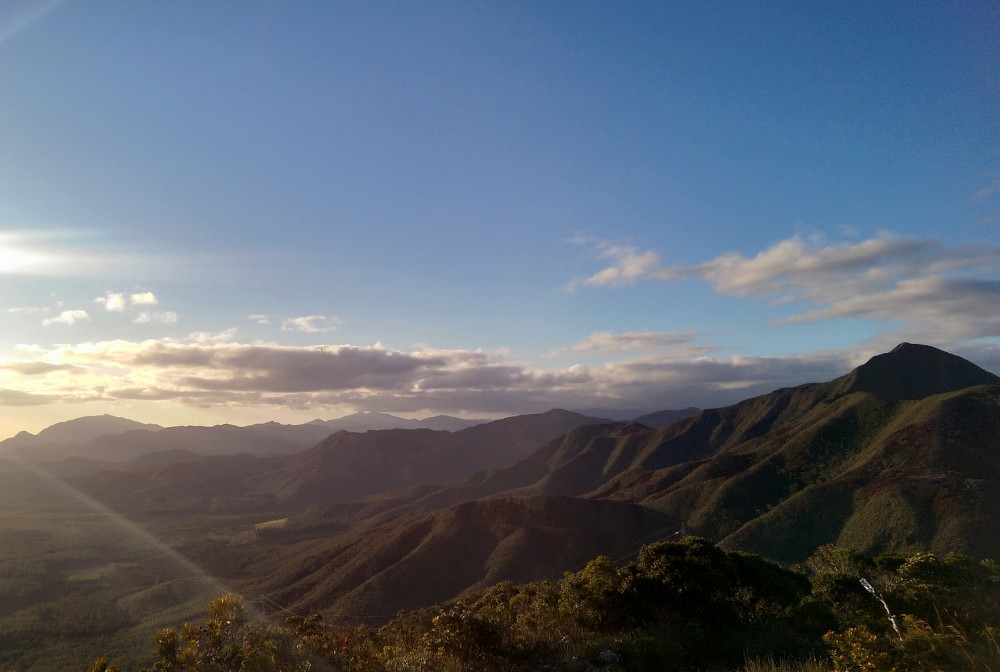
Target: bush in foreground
[{"x": 679, "y": 606}]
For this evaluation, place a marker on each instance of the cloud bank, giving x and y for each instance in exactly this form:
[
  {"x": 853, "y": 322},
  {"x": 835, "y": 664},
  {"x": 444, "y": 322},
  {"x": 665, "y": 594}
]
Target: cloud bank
[{"x": 215, "y": 373}]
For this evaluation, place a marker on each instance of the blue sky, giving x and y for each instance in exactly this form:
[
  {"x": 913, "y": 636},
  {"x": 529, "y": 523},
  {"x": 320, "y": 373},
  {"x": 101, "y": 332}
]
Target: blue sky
[{"x": 231, "y": 212}]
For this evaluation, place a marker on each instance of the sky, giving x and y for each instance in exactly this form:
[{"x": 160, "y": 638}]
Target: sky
[{"x": 250, "y": 211}]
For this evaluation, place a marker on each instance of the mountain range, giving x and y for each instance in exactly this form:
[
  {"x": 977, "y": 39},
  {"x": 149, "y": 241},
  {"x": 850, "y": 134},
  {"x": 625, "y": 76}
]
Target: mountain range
[
  {"x": 901, "y": 454},
  {"x": 92, "y": 443}
]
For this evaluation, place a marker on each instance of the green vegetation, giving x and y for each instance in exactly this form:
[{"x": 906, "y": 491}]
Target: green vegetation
[
  {"x": 74, "y": 580},
  {"x": 680, "y": 606},
  {"x": 72, "y": 583}
]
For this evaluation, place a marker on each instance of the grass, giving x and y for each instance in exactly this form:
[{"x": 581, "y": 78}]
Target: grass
[{"x": 771, "y": 664}]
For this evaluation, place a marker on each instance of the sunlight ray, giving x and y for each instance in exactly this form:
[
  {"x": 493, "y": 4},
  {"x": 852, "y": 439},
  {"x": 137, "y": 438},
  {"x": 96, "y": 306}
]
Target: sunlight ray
[{"x": 137, "y": 532}]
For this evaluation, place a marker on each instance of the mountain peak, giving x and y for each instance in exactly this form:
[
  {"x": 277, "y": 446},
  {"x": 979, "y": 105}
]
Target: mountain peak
[
  {"x": 79, "y": 430},
  {"x": 914, "y": 349},
  {"x": 914, "y": 371}
]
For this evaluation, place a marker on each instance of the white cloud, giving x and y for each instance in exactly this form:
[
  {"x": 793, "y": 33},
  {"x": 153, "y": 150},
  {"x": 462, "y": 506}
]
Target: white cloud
[
  {"x": 260, "y": 319},
  {"x": 311, "y": 324},
  {"x": 68, "y": 317},
  {"x": 117, "y": 301},
  {"x": 164, "y": 317},
  {"x": 629, "y": 266},
  {"x": 112, "y": 301},
  {"x": 143, "y": 299},
  {"x": 793, "y": 269}
]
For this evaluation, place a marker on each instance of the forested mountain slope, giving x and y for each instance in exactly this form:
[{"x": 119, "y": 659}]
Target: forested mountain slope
[{"x": 862, "y": 460}]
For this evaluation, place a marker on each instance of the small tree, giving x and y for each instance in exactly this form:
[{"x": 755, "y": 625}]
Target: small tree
[
  {"x": 592, "y": 597},
  {"x": 228, "y": 642}
]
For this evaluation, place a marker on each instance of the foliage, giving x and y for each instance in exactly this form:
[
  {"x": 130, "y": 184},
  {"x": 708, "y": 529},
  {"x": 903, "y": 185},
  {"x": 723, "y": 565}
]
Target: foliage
[
  {"x": 947, "y": 606},
  {"x": 228, "y": 642},
  {"x": 686, "y": 605},
  {"x": 860, "y": 649},
  {"x": 101, "y": 665}
]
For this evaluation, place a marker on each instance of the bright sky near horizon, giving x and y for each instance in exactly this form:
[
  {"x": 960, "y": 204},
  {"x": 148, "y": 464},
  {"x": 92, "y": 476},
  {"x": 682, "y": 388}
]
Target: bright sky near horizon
[{"x": 245, "y": 211}]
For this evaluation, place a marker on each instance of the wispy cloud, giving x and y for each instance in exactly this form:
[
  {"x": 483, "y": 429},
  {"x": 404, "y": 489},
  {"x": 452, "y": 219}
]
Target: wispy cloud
[
  {"x": 311, "y": 324},
  {"x": 629, "y": 265},
  {"x": 209, "y": 337},
  {"x": 260, "y": 318},
  {"x": 794, "y": 269},
  {"x": 157, "y": 317},
  {"x": 889, "y": 277},
  {"x": 958, "y": 308},
  {"x": 607, "y": 342}
]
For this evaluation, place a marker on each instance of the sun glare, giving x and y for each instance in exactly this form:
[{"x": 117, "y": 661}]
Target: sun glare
[
  {"x": 13, "y": 260},
  {"x": 20, "y": 253}
]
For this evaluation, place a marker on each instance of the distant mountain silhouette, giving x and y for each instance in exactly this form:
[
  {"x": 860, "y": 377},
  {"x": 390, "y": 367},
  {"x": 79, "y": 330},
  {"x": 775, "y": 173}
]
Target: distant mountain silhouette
[
  {"x": 266, "y": 439},
  {"x": 341, "y": 467},
  {"x": 450, "y": 423},
  {"x": 616, "y": 414},
  {"x": 91, "y": 441},
  {"x": 371, "y": 420},
  {"x": 76, "y": 431}
]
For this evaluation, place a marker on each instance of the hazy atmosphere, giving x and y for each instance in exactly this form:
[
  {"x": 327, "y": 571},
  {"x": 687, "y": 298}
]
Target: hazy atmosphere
[{"x": 237, "y": 212}]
